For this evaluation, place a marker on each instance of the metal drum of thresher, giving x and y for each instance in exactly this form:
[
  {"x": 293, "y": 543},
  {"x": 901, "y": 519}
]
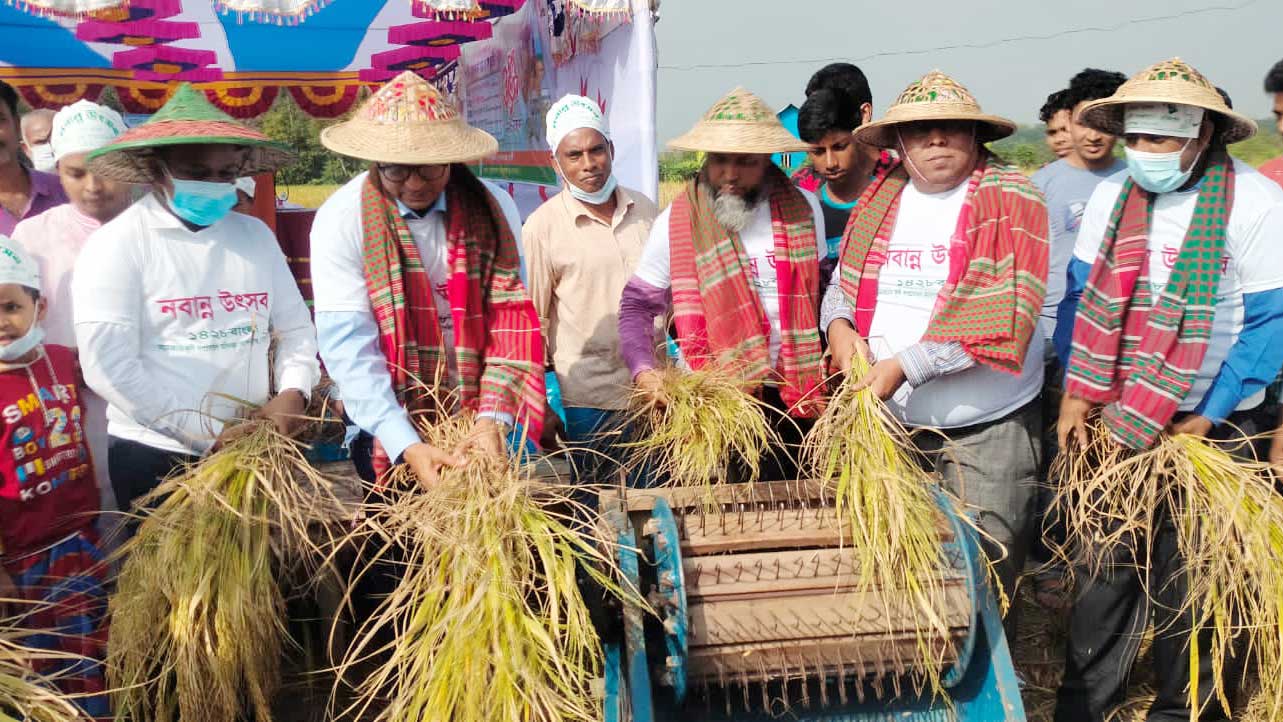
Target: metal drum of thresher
[{"x": 759, "y": 611}]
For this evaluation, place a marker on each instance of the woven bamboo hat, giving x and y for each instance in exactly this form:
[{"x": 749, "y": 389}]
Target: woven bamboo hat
[
  {"x": 1171, "y": 81},
  {"x": 187, "y": 119},
  {"x": 408, "y": 121},
  {"x": 739, "y": 123},
  {"x": 935, "y": 97}
]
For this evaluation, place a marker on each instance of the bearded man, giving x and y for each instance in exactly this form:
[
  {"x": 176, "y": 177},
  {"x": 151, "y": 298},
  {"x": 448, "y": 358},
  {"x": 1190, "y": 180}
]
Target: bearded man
[{"x": 737, "y": 255}]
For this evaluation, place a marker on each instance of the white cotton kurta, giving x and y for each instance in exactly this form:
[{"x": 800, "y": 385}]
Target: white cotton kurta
[{"x": 173, "y": 325}]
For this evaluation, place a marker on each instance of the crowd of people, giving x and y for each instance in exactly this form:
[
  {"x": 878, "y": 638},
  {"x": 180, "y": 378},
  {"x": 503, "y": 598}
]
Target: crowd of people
[{"x": 137, "y": 306}]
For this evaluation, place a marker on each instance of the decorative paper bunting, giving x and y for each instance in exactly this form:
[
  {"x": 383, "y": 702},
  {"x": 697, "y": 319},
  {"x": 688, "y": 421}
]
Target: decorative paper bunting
[
  {"x": 56, "y": 96},
  {"x": 243, "y": 102},
  {"x": 164, "y": 63},
  {"x": 143, "y": 101},
  {"x": 325, "y": 102},
  {"x": 439, "y": 32},
  {"x": 136, "y": 33}
]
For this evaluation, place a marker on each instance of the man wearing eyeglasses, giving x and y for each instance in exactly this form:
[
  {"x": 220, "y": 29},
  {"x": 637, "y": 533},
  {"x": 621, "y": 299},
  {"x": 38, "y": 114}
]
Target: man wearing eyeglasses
[{"x": 389, "y": 240}]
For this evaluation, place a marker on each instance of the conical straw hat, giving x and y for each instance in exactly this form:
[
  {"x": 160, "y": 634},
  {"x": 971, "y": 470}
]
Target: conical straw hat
[
  {"x": 408, "y": 121},
  {"x": 1171, "y": 81},
  {"x": 739, "y": 123},
  {"x": 187, "y": 119},
  {"x": 935, "y": 97}
]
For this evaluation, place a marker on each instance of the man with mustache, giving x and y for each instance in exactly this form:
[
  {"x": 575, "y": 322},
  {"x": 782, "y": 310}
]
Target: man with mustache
[
  {"x": 738, "y": 253},
  {"x": 941, "y": 279},
  {"x": 581, "y": 248}
]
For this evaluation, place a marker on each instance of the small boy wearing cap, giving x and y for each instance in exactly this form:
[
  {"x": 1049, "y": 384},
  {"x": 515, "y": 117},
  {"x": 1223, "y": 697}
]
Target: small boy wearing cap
[
  {"x": 55, "y": 238},
  {"x": 50, "y": 563}
]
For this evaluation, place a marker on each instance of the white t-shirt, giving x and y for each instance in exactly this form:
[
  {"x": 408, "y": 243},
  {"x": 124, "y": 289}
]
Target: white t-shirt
[
  {"x": 916, "y": 268},
  {"x": 758, "y": 240},
  {"x": 1253, "y": 255},
  {"x": 173, "y": 324}
]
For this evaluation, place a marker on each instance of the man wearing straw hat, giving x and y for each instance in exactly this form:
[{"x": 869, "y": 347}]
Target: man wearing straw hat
[
  {"x": 416, "y": 274},
  {"x": 176, "y": 299},
  {"x": 581, "y": 248},
  {"x": 55, "y": 238},
  {"x": 1177, "y": 260},
  {"x": 738, "y": 252},
  {"x": 940, "y": 283}
]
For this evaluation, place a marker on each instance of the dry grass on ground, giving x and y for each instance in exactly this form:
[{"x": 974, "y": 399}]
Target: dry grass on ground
[{"x": 309, "y": 196}]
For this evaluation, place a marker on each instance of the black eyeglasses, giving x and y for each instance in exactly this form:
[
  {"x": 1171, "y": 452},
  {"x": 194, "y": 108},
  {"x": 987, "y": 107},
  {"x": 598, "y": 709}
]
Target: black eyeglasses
[{"x": 398, "y": 173}]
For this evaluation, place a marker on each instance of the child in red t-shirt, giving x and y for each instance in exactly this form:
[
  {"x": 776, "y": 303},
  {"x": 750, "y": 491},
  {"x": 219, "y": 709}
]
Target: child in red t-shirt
[{"x": 51, "y": 569}]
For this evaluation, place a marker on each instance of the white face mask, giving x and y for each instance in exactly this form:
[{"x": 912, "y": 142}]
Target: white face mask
[
  {"x": 22, "y": 346},
  {"x": 42, "y": 158},
  {"x": 602, "y": 195}
]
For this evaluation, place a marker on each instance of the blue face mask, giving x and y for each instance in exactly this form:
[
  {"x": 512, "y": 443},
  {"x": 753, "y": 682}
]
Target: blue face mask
[
  {"x": 1159, "y": 172},
  {"x": 201, "y": 203}
]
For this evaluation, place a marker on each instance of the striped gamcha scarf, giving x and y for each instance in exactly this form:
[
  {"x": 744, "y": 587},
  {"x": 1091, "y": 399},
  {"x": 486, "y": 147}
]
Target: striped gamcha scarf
[
  {"x": 993, "y": 296},
  {"x": 497, "y": 344},
  {"x": 1143, "y": 352},
  {"x": 717, "y": 312}
]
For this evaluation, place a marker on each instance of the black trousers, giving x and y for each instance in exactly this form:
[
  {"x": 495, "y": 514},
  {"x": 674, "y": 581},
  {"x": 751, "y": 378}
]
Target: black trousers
[
  {"x": 1113, "y": 611},
  {"x": 779, "y": 462},
  {"x": 137, "y": 469}
]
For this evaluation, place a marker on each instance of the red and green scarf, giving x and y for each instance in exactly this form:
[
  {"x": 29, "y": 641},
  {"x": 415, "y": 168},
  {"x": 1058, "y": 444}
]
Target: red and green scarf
[
  {"x": 1134, "y": 349},
  {"x": 497, "y": 344},
  {"x": 997, "y": 262},
  {"x": 718, "y": 314}
]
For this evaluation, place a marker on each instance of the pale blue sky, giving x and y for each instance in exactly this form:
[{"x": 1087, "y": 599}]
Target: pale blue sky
[{"x": 1233, "y": 42}]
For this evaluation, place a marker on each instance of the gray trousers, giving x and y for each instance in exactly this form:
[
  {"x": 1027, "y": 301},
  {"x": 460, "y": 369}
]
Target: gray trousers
[{"x": 993, "y": 468}]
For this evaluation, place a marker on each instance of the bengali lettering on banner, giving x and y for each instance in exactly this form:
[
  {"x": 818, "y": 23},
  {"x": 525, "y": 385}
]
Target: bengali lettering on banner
[{"x": 507, "y": 83}]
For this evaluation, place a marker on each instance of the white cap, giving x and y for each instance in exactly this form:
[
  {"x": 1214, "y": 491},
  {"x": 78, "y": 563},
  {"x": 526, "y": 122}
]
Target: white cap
[
  {"x": 83, "y": 127},
  {"x": 1168, "y": 119},
  {"x": 571, "y": 113},
  {"x": 16, "y": 266},
  {"x": 246, "y": 185}
]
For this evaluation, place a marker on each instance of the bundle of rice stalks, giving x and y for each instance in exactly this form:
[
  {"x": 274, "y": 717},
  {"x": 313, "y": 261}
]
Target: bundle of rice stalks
[
  {"x": 198, "y": 627},
  {"x": 487, "y": 620},
  {"x": 1228, "y": 518},
  {"x": 889, "y": 504},
  {"x": 705, "y": 420},
  {"x": 24, "y": 695}
]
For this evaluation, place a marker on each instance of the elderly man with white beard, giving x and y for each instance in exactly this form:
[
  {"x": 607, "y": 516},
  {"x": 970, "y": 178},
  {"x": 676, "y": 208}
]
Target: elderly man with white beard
[{"x": 737, "y": 258}]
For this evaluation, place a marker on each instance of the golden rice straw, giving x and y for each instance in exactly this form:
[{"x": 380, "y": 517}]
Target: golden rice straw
[
  {"x": 1229, "y": 526},
  {"x": 197, "y": 623},
  {"x": 889, "y": 504},
  {"x": 488, "y": 619},
  {"x": 706, "y": 420},
  {"x": 24, "y": 695}
]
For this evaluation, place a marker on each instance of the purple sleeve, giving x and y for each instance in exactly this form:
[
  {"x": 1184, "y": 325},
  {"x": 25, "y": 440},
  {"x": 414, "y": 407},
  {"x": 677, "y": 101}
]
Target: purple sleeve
[{"x": 640, "y": 304}]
